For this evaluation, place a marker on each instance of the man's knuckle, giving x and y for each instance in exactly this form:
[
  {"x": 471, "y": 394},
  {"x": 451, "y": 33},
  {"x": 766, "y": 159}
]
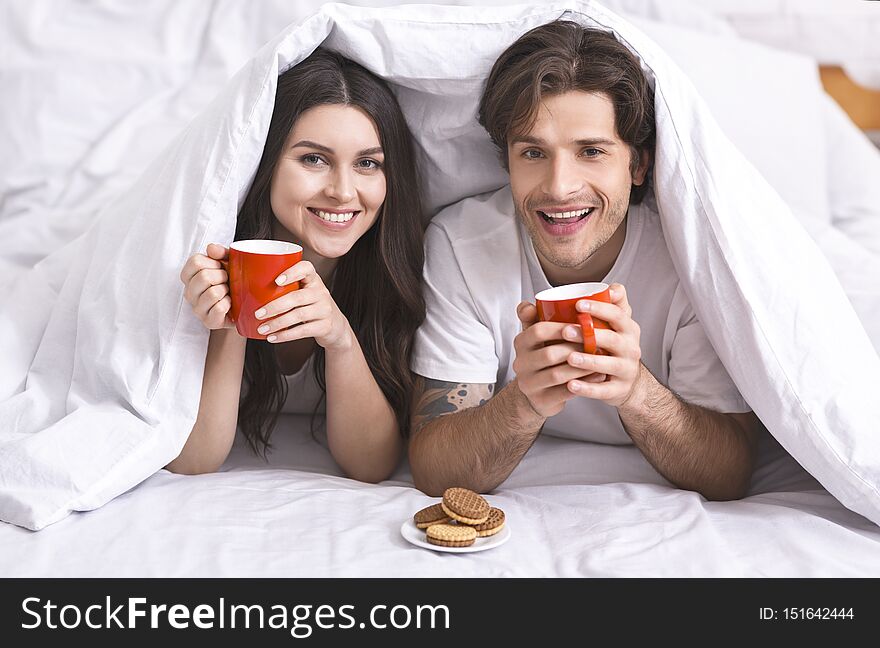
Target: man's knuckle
[{"x": 545, "y": 356}]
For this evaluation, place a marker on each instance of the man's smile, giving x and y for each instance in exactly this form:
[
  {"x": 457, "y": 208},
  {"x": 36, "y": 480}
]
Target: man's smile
[{"x": 564, "y": 221}]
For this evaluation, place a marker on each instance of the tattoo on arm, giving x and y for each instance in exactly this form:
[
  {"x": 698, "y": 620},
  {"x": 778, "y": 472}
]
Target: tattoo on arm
[{"x": 438, "y": 398}]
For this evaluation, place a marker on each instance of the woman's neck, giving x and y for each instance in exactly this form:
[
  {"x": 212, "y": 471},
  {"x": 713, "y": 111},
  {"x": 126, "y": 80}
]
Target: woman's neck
[{"x": 323, "y": 266}]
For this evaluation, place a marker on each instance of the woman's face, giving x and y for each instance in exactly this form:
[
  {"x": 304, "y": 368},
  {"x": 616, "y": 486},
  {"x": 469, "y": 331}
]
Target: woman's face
[{"x": 329, "y": 183}]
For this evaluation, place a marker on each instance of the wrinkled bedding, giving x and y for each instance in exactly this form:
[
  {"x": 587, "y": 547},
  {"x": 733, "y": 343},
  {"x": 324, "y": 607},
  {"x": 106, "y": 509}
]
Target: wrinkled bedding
[{"x": 86, "y": 422}]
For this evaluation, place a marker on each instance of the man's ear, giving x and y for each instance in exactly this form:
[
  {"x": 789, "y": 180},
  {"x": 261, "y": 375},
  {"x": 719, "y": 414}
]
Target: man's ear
[{"x": 642, "y": 170}]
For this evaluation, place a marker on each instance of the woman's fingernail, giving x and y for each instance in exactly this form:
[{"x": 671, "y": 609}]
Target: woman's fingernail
[
  {"x": 583, "y": 306},
  {"x": 271, "y": 338},
  {"x": 260, "y": 313},
  {"x": 263, "y": 329},
  {"x": 280, "y": 280},
  {"x": 570, "y": 332}
]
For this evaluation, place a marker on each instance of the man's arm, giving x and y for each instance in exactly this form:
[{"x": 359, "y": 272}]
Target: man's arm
[
  {"x": 463, "y": 436},
  {"x": 693, "y": 447}
]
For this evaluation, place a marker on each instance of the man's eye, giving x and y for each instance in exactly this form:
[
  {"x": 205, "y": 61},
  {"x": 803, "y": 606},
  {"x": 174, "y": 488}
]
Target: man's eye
[
  {"x": 592, "y": 152},
  {"x": 532, "y": 154}
]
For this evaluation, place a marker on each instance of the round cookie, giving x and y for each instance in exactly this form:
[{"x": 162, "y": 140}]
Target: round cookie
[
  {"x": 433, "y": 514},
  {"x": 465, "y": 506},
  {"x": 451, "y": 535},
  {"x": 492, "y": 525}
]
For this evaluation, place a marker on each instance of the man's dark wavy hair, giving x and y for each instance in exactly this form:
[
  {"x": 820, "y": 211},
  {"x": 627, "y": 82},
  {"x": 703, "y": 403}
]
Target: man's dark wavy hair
[{"x": 560, "y": 57}]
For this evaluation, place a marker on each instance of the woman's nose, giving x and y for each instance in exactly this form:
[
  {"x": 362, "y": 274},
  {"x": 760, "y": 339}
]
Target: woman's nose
[{"x": 341, "y": 187}]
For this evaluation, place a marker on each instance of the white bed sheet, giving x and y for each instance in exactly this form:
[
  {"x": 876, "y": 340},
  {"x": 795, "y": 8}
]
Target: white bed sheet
[{"x": 574, "y": 509}]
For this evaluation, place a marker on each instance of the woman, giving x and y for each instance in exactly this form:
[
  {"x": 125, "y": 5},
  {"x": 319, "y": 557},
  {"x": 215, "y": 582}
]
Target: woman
[{"x": 337, "y": 177}]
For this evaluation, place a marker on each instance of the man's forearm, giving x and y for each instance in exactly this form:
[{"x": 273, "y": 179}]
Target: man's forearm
[
  {"x": 476, "y": 448},
  {"x": 694, "y": 448}
]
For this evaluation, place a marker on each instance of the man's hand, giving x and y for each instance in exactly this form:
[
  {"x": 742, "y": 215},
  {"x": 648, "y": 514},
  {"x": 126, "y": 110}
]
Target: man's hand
[
  {"x": 542, "y": 371},
  {"x": 621, "y": 345}
]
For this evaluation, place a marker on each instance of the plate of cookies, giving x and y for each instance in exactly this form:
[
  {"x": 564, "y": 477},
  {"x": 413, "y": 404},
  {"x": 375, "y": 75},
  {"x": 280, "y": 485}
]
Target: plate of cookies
[{"x": 462, "y": 522}]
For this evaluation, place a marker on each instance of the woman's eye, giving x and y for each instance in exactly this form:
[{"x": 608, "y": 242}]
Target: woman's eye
[
  {"x": 369, "y": 165},
  {"x": 312, "y": 159}
]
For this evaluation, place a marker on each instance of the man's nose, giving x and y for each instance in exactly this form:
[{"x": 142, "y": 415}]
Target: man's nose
[{"x": 563, "y": 178}]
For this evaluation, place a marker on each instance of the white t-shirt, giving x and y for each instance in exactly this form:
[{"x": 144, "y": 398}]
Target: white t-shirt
[{"x": 480, "y": 263}]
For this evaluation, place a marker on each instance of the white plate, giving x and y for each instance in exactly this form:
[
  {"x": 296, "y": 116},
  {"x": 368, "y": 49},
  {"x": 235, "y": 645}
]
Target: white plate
[{"x": 416, "y": 536}]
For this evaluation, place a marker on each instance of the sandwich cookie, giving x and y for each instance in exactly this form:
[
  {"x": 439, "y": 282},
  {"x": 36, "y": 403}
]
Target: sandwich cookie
[
  {"x": 465, "y": 506},
  {"x": 430, "y": 515},
  {"x": 451, "y": 535},
  {"x": 493, "y": 524}
]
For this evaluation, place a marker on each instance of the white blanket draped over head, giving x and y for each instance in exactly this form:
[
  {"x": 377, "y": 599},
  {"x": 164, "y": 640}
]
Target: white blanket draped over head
[{"x": 103, "y": 358}]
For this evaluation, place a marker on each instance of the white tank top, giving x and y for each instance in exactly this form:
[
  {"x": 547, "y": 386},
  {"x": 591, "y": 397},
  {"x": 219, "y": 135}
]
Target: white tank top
[{"x": 303, "y": 392}]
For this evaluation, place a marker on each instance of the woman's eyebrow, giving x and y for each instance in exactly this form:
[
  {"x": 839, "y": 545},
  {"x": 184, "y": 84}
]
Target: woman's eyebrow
[
  {"x": 326, "y": 149},
  {"x": 313, "y": 145}
]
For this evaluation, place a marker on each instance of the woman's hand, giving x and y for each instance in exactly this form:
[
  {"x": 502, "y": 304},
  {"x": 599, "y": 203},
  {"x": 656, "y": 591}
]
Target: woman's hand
[
  {"x": 309, "y": 312},
  {"x": 207, "y": 287}
]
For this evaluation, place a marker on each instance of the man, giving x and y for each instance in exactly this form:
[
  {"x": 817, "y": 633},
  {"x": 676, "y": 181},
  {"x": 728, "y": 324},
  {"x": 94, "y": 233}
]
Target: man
[{"x": 572, "y": 116}]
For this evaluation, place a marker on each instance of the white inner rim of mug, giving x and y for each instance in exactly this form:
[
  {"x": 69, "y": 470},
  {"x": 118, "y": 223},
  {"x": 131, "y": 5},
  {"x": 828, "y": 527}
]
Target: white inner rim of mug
[
  {"x": 571, "y": 291},
  {"x": 265, "y": 246}
]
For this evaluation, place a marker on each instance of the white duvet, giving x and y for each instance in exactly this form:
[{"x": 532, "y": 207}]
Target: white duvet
[{"x": 104, "y": 360}]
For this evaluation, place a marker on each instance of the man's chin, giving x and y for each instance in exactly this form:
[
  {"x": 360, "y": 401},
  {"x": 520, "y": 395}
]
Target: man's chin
[{"x": 560, "y": 259}]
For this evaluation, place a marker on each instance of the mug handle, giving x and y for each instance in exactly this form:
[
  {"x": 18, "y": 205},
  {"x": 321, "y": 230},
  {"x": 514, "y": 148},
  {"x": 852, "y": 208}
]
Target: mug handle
[
  {"x": 225, "y": 265},
  {"x": 588, "y": 331}
]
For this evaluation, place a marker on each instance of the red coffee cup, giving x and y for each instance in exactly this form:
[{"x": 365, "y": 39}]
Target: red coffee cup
[
  {"x": 253, "y": 266},
  {"x": 558, "y": 305}
]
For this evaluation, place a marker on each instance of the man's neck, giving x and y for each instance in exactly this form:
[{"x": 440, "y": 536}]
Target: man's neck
[{"x": 595, "y": 268}]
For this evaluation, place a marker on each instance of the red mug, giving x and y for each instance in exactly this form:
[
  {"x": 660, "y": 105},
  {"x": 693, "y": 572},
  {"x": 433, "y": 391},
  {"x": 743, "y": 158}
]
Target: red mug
[
  {"x": 558, "y": 305},
  {"x": 252, "y": 266}
]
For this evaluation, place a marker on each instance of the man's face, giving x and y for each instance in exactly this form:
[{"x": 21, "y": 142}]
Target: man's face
[{"x": 570, "y": 177}]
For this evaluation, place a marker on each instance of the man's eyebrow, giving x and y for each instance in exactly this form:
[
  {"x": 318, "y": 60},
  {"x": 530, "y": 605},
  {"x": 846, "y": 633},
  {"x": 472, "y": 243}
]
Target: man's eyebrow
[
  {"x": 326, "y": 149},
  {"x": 593, "y": 141},
  {"x": 589, "y": 141},
  {"x": 527, "y": 139}
]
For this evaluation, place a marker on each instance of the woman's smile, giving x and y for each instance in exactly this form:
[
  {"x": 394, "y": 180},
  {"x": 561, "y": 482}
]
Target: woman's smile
[{"x": 334, "y": 219}]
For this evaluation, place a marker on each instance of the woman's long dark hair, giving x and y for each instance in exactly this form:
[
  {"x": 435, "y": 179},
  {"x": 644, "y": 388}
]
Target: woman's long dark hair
[{"x": 378, "y": 283}]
